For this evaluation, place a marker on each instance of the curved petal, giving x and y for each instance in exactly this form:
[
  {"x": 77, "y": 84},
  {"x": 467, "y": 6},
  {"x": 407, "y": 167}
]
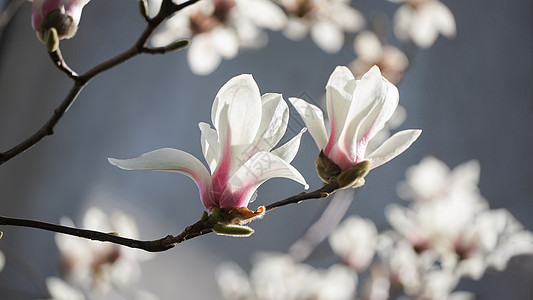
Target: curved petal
[
  {"x": 202, "y": 56},
  {"x": 393, "y": 147},
  {"x": 210, "y": 147},
  {"x": 314, "y": 121},
  {"x": 328, "y": 36},
  {"x": 173, "y": 160},
  {"x": 288, "y": 151},
  {"x": 258, "y": 169},
  {"x": 263, "y": 13},
  {"x": 339, "y": 93},
  {"x": 274, "y": 120},
  {"x": 242, "y": 96}
]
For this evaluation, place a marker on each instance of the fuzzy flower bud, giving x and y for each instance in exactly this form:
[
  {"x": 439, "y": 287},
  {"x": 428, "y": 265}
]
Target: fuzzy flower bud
[{"x": 63, "y": 15}]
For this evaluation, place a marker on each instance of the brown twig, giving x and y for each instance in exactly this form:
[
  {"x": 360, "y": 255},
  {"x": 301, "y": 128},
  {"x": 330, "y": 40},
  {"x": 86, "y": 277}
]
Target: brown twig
[
  {"x": 168, "y": 8},
  {"x": 197, "y": 229}
]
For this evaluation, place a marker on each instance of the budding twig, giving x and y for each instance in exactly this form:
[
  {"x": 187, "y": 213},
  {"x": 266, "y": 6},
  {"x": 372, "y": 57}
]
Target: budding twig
[
  {"x": 168, "y": 9},
  {"x": 203, "y": 226}
]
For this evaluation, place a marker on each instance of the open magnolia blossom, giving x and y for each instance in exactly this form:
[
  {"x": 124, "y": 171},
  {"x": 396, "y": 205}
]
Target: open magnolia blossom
[
  {"x": 358, "y": 110},
  {"x": 63, "y": 15},
  {"x": 238, "y": 150},
  {"x": 422, "y": 20},
  {"x": 219, "y": 28},
  {"x": 325, "y": 20}
]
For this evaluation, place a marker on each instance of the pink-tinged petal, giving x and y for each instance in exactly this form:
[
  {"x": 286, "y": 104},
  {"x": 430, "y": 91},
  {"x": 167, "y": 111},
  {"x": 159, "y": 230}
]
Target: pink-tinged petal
[
  {"x": 314, "y": 121},
  {"x": 288, "y": 151},
  {"x": 393, "y": 147},
  {"x": 173, "y": 160},
  {"x": 210, "y": 147},
  {"x": 73, "y": 8},
  {"x": 242, "y": 96},
  {"x": 339, "y": 92},
  {"x": 273, "y": 123},
  {"x": 258, "y": 169}
]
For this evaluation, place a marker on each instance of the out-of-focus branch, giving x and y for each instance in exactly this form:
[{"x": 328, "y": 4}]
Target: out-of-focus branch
[
  {"x": 204, "y": 226},
  {"x": 168, "y": 9}
]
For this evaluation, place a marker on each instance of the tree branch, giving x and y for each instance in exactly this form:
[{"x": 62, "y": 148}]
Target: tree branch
[
  {"x": 168, "y": 8},
  {"x": 195, "y": 230}
]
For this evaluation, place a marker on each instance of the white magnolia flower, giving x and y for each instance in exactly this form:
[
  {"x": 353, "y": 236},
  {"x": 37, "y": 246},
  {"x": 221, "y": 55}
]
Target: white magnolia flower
[
  {"x": 355, "y": 242},
  {"x": 100, "y": 265},
  {"x": 422, "y": 20},
  {"x": 238, "y": 151},
  {"x": 371, "y": 51},
  {"x": 325, "y": 20},
  {"x": 61, "y": 290},
  {"x": 357, "y": 110},
  {"x": 219, "y": 28},
  {"x": 278, "y": 276}
]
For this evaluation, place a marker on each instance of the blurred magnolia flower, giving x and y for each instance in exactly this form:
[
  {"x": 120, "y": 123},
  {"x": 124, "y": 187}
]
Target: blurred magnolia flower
[
  {"x": 97, "y": 265},
  {"x": 358, "y": 110},
  {"x": 61, "y": 290},
  {"x": 238, "y": 150},
  {"x": 326, "y": 20},
  {"x": 63, "y": 15},
  {"x": 449, "y": 218},
  {"x": 355, "y": 241},
  {"x": 278, "y": 276},
  {"x": 370, "y": 51},
  {"x": 2, "y": 259},
  {"x": 219, "y": 28},
  {"x": 422, "y": 20}
]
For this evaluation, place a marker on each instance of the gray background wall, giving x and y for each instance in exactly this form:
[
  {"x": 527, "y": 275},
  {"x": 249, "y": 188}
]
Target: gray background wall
[{"x": 473, "y": 97}]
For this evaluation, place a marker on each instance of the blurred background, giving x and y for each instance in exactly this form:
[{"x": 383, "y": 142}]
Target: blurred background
[{"x": 472, "y": 96}]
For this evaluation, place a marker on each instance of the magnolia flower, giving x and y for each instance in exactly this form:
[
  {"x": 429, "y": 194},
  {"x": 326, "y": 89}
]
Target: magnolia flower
[
  {"x": 358, "y": 110},
  {"x": 422, "y": 20},
  {"x": 325, "y": 20},
  {"x": 238, "y": 150},
  {"x": 278, "y": 276},
  {"x": 95, "y": 265},
  {"x": 63, "y": 15},
  {"x": 219, "y": 28},
  {"x": 355, "y": 242},
  {"x": 370, "y": 51}
]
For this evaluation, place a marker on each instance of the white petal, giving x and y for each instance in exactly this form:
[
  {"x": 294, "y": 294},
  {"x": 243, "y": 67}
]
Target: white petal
[
  {"x": 443, "y": 18},
  {"x": 225, "y": 41},
  {"x": 273, "y": 123},
  {"x": 241, "y": 95},
  {"x": 328, "y": 36},
  {"x": 288, "y": 151},
  {"x": 263, "y": 13},
  {"x": 202, "y": 56},
  {"x": 393, "y": 147},
  {"x": 173, "y": 160},
  {"x": 368, "y": 47},
  {"x": 210, "y": 147},
  {"x": 314, "y": 121},
  {"x": 296, "y": 29},
  {"x": 339, "y": 93},
  {"x": 59, "y": 289},
  {"x": 258, "y": 169}
]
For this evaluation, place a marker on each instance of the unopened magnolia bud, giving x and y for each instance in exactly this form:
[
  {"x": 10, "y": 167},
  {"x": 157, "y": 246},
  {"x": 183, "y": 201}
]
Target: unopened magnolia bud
[
  {"x": 233, "y": 230},
  {"x": 143, "y": 8},
  {"x": 62, "y": 15},
  {"x": 326, "y": 168},
  {"x": 51, "y": 40},
  {"x": 177, "y": 45},
  {"x": 61, "y": 22},
  {"x": 354, "y": 176}
]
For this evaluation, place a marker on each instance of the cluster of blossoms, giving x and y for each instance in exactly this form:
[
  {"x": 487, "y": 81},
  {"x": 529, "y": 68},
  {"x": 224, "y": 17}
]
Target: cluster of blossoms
[
  {"x": 95, "y": 268},
  {"x": 447, "y": 232},
  {"x": 247, "y": 125}
]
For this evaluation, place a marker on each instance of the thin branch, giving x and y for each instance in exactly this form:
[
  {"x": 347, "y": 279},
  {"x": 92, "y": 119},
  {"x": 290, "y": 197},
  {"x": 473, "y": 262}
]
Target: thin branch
[
  {"x": 195, "y": 230},
  {"x": 168, "y": 8}
]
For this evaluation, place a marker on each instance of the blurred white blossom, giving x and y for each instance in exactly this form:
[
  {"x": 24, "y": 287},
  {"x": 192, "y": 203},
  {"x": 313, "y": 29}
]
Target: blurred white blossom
[
  {"x": 219, "y": 28},
  {"x": 98, "y": 265},
  {"x": 371, "y": 51},
  {"x": 278, "y": 276},
  {"x": 421, "y": 21},
  {"x": 325, "y": 20}
]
